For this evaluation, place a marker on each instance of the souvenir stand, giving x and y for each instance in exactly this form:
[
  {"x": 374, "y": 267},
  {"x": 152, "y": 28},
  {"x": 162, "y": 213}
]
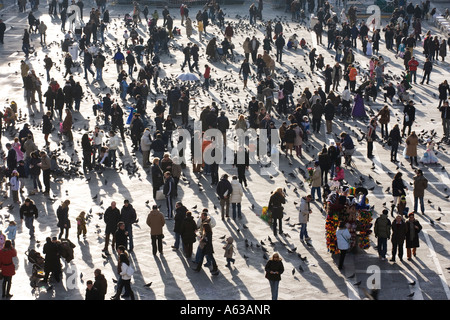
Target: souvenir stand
[{"x": 350, "y": 205}]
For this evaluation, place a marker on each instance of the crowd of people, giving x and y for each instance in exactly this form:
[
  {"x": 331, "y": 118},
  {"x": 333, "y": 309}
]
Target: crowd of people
[{"x": 138, "y": 65}]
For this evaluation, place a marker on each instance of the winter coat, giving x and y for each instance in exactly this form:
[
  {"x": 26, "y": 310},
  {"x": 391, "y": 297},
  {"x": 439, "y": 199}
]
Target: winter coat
[
  {"x": 237, "y": 193},
  {"x": 156, "y": 222},
  {"x": 187, "y": 231},
  {"x": 275, "y": 266},
  {"x": 224, "y": 188},
  {"x": 111, "y": 218},
  {"x": 128, "y": 215},
  {"x": 180, "y": 216},
  {"x": 157, "y": 177},
  {"x": 145, "y": 141},
  {"x": 188, "y": 27},
  {"x": 398, "y": 187},
  {"x": 412, "y": 234},
  {"x": 298, "y": 136},
  {"x": 52, "y": 257},
  {"x": 411, "y": 146},
  {"x": 382, "y": 228},
  {"x": 207, "y": 239},
  {"x": 303, "y": 214},
  {"x": 6, "y": 262},
  {"x": 316, "y": 179},
  {"x": 384, "y": 115},
  {"x": 420, "y": 184},
  {"x": 229, "y": 248},
  {"x": 343, "y": 238},
  {"x": 398, "y": 232},
  {"x": 63, "y": 217},
  {"x": 275, "y": 205}
]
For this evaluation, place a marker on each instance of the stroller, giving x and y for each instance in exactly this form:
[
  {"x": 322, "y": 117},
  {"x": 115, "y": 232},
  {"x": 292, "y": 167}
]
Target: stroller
[{"x": 38, "y": 262}]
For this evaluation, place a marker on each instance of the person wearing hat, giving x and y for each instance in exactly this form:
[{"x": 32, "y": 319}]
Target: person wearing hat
[{"x": 382, "y": 230}]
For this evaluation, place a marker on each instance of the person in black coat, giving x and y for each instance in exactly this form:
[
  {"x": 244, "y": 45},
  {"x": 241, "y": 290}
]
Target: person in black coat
[
  {"x": 11, "y": 159},
  {"x": 224, "y": 190},
  {"x": 137, "y": 128},
  {"x": 274, "y": 268},
  {"x": 180, "y": 216},
  {"x": 63, "y": 218},
  {"x": 157, "y": 176},
  {"x": 111, "y": 218},
  {"x": 128, "y": 217},
  {"x": 52, "y": 259},
  {"x": 276, "y": 201},
  {"x": 2, "y": 30},
  {"x": 279, "y": 44},
  {"x": 100, "y": 283},
  {"x": 409, "y": 112},
  {"x": 86, "y": 145},
  {"x": 395, "y": 138},
  {"x": 47, "y": 126},
  {"x": 398, "y": 235},
  {"x": 92, "y": 292},
  {"x": 121, "y": 236},
  {"x": 117, "y": 120},
  {"x": 188, "y": 235}
]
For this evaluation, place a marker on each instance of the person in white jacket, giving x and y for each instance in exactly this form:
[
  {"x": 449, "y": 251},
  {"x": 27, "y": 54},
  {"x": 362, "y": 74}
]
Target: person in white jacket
[
  {"x": 303, "y": 217},
  {"x": 113, "y": 145},
  {"x": 146, "y": 142},
  {"x": 343, "y": 237},
  {"x": 236, "y": 197},
  {"x": 97, "y": 136},
  {"x": 126, "y": 272}
]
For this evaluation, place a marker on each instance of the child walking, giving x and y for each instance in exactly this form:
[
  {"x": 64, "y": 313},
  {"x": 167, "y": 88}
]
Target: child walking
[
  {"x": 15, "y": 186},
  {"x": 11, "y": 232},
  {"x": 229, "y": 250},
  {"x": 81, "y": 225}
]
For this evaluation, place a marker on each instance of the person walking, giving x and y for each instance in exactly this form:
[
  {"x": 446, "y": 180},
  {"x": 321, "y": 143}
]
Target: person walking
[
  {"x": 276, "y": 201},
  {"x": 208, "y": 250},
  {"x": 52, "y": 259},
  {"x": 156, "y": 222},
  {"x": 343, "y": 237},
  {"x": 316, "y": 182},
  {"x": 398, "y": 237},
  {"x": 224, "y": 190},
  {"x": 29, "y": 212},
  {"x": 413, "y": 228},
  {"x": 274, "y": 269},
  {"x": 7, "y": 253},
  {"x": 398, "y": 190},
  {"x": 126, "y": 272},
  {"x": 303, "y": 217},
  {"x": 111, "y": 218},
  {"x": 128, "y": 217},
  {"x": 420, "y": 183},
  {"x": 394, "y": 139},
  {"x": 45, "y": 165},
  {"x": 427, "y": 68},
  {"x": 382, "y": 231}
]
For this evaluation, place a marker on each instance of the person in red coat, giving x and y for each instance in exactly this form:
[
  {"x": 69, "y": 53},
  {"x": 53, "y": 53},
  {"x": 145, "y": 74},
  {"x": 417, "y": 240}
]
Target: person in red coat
[
  {"x": 412, "y": 65},
  {"x": 8, "y": 268}
]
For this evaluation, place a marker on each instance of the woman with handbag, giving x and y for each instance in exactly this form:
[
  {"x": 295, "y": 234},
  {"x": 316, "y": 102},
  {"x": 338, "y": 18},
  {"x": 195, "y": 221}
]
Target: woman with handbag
[{"x": 7, "y": 267}]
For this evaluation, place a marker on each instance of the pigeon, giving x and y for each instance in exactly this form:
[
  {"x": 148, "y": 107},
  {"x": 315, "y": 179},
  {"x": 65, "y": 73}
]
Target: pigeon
[
  {"x": 357, "y": 283},
  {"x": 352, "y": 276},
  {"x": 411, "y": 295},
  {"x": 148, "y": 284},
  {"x": 194, "y": 207},
  {"x": 293, "y": 271},
  {"x": 412, "y": 283}
]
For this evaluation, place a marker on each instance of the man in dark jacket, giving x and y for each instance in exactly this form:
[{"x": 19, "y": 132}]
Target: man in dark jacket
[
  {"x": 100, "y": 283},
  {"x": 87, "y": 63},
  {"x": 279, "y": 44},
  {"x": 111, "y": 218},
  {"x": 92, "y": 292},
  {"x": 180, "y": 216},
  {"x": 427, "y": 67},
  {"x": 128, "y": 216},
  {"x": 329, "y": 111},
  {"x": 223, "y": 124},
  {"x": 224, "y": 190},
  {"x": 29, "y": 212},
  {"x": 398, "y": 237},
  {"x": 169, "y": 191},
  {"x": 382, "y": 231},
  {"x": 52, "y": 259}
]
